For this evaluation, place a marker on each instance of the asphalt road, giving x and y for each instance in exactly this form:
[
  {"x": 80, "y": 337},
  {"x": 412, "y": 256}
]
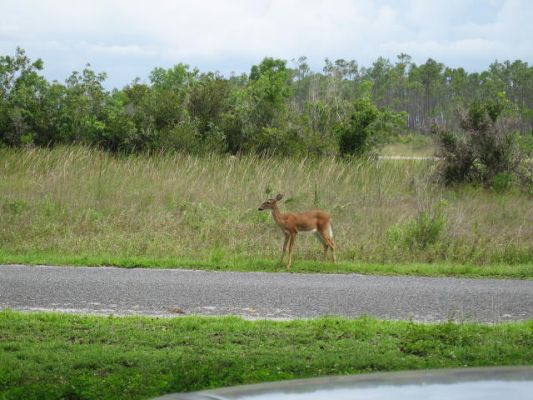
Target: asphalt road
[{"x": 261, "y": 295}]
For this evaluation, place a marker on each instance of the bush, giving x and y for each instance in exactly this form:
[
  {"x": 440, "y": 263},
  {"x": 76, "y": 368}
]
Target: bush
[
  {"x": 457, "y": 156},
  {"x": 284, "y": 142},
  {"x": 366, "y": 128},
  {"x": 355, "y": 134},
  {"x": 420, "y": 232},
  {"x": 486, "y": 150},
  {"x": 501, "y": 182},
  {"x": 182, "y": 137}
]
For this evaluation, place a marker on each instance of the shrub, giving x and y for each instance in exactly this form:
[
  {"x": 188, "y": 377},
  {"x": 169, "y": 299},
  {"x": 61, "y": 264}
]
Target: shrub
[
  {"x": 501, "y": 182},
  {"x": 356, "y": 134},
  {"x": 366, "y": 127},
  {"x": 420, "y": 232},
  {"x": 457, "y": 154},
  {"x": 181, "y": 137},
  {"x": 484, "y": 152},
  {"x": 284, "y": 142}
]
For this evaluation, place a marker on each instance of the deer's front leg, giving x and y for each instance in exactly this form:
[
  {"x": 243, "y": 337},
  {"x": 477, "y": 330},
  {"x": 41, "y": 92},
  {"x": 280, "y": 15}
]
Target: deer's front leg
[
  {"x": 291, "y": 243},
  {"x": 287, "y": 236}
]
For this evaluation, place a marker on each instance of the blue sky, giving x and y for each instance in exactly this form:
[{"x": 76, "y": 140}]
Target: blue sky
[{"x": 127, "y": 39}]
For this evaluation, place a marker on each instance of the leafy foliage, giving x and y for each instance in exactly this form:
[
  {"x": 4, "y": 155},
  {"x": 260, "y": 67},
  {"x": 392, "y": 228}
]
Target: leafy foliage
[
  {"x": 355, "y": 135},
  {"x": 275, "y": 109},
  {"x": 366, "y": 127},
  {"x": 486, "y": 149},
  {"x": 21, "y": 89}
]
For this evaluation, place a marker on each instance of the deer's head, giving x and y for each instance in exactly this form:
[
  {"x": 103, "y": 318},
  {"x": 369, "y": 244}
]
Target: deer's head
[{"x": 270, "y": 203}]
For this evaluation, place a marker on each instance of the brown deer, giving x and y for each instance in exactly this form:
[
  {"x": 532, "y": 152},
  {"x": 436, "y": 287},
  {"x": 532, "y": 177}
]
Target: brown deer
[{"x": 317, "y": 222}]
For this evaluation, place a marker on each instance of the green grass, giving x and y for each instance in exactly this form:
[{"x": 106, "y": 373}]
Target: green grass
[
  {"x": 524, "y": 271},
  {"x": 52, "y": 356},
  {"x": 68, "y": 204},
  {"x": 410, "y": 145}
]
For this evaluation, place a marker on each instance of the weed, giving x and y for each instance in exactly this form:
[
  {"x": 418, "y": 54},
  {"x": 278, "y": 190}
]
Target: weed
[
  {"x": 420, "y": 232},
  {"x": 15, "y": 207},
  {"x": 74, "y": 201},
  {"x": 501, "y": 182}
]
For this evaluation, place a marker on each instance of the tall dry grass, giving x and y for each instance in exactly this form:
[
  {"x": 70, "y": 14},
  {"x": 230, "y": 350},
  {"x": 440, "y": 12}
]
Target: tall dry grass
[{"x": 83, "y": 201}]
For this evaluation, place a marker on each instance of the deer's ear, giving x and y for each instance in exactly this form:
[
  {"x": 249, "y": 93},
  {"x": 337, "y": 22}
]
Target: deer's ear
[{"x": 279, "y": 197}]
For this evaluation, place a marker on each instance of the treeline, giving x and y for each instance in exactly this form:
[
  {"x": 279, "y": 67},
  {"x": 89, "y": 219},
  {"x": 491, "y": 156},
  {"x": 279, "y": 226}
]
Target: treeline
[{"x": 279, "y": 107}]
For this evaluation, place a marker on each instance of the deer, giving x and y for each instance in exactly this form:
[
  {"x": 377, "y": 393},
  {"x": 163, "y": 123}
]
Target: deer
[{"x": 315, "y": 221}]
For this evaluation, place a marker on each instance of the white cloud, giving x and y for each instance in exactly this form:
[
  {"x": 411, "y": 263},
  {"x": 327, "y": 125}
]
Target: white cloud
[
  {"x": 116, "y": 50},
  {"x": 131, "y": 37}
]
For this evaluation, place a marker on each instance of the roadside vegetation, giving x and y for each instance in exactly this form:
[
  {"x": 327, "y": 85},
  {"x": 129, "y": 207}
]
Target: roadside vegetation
[
  {"x": 51, "y": 356},
  {"x": 169, "y": 172},
  {"x": 76, "y": 205}
]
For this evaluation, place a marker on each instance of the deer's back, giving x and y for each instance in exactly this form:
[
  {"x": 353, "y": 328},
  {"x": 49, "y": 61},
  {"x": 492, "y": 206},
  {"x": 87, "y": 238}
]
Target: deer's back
[{"x": 308, "y": 220}]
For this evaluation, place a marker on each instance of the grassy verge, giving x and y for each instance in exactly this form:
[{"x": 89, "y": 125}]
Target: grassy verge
[
  {"x": 49, "y": 356},
  {"x": 439, "y": 269},
  {"x": 74, "y": 202}
]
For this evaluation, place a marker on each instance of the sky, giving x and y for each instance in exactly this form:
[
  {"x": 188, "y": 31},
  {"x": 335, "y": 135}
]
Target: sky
[{"x": 129, "y": 38}]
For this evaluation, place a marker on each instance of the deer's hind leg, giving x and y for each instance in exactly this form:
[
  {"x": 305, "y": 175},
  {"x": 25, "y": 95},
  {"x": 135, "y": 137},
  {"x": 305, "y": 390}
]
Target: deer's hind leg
[
  {"x": 324, "y": 243},
  {"x": 327, "y": 242}
]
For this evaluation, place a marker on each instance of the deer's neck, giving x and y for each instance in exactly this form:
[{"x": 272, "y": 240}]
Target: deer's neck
[{"x": 276, "y": 214}]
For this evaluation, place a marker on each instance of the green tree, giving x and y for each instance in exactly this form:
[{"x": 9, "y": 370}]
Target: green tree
[
  {"x": 84, "y": 106},
  {"x": 51, "y": 117},
  {"x": 21, "y": 91},
  {"x": 366, "y": 127},
  {"x": 430, "y": 75},
  {"x": 270, "y": 87},
  {"x": 255, "y": 105},
  {"x": 208, "y": 101},
  {"x": 169, "y": 95}
]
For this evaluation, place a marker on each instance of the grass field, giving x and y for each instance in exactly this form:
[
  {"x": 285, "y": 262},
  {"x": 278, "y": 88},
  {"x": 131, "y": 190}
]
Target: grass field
[
  {"x": 410, "y": 145},
  {"x": 50, "y": 356},
  {"x": 80, "y": 205}
]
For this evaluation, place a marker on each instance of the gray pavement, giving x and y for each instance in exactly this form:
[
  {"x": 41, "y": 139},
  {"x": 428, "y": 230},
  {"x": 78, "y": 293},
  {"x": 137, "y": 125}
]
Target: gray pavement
[{"x": 168, "y": 292}]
